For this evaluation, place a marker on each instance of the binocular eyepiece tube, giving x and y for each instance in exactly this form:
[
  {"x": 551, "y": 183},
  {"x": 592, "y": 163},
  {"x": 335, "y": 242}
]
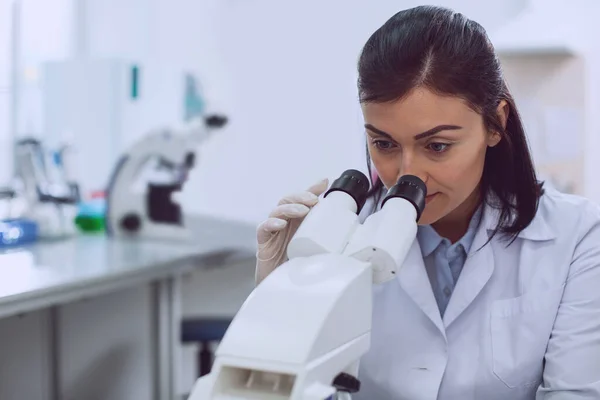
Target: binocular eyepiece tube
[
  {"x": 356, "y": 186},
  {"x": 330, "y": 224}
]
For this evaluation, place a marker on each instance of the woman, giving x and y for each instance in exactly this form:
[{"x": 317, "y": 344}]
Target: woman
[{"x": 499, "y": 297}]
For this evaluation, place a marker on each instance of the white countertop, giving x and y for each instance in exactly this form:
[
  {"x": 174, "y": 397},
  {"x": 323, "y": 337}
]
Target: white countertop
[{"x": 49, "y": 273}]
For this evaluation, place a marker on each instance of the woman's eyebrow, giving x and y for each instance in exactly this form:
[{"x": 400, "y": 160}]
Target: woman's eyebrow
[{"x": 419, "y": 136}]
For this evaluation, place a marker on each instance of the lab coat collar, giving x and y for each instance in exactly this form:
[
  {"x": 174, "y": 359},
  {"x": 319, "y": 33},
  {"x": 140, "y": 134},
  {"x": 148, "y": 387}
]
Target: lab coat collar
[
  {"x": 538, "y": 230},
  {"x": 429, "y": 239},
  {"x": 476, "y": 272},
  {"x": 480, "y": 263},
  {"x": 412, "y": 277}
]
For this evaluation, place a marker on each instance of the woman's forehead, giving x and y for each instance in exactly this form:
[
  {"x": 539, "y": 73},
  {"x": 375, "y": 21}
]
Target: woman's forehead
[{"x": 419, "y": 111}]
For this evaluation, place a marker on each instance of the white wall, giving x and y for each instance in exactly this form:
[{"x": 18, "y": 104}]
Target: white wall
[
  {"x": 45, "y": 35},
  {"x": 5, "y": 35},
  {"x": 285, "y": 72},
  {"x": 5, "y": 51}
]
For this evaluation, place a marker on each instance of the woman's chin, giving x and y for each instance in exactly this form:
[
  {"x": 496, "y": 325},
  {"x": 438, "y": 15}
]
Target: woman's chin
[{"x": 430, "y": 215}]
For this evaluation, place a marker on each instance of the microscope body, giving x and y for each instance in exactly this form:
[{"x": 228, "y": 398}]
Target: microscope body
[
  {"x": 301, "y": 333},
  {"x": 140, "y": 191}
]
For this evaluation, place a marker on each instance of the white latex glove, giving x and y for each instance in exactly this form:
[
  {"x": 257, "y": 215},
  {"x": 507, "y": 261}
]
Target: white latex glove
[{"x": 274, "y": 234}]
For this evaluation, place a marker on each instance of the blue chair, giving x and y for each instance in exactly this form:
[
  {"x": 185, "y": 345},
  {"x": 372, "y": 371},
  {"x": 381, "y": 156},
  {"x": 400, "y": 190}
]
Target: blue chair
[{"x": 204, "y": 331}]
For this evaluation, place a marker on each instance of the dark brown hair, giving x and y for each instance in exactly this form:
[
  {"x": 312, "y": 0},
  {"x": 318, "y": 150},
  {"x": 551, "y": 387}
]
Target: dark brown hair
[{"x": 449, "y": 54}]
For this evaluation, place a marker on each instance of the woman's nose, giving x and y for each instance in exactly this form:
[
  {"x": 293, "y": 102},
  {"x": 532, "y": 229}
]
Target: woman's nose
[
  {"x": 422, "y": 177},
  {"x": 409, "y": 167}
]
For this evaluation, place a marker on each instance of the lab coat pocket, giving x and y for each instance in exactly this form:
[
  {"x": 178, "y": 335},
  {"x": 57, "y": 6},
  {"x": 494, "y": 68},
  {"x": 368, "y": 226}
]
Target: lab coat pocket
[{"x": 520, "y": 329}]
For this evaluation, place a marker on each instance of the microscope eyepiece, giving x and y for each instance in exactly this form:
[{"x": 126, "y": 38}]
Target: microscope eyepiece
[
  {"x": 354, "y": 183},
  {"x": 411, "y": 188},
  {"x": 215, "y": 120}
]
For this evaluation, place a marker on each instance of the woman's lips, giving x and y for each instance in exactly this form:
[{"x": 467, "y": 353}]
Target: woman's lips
[{"x": 430, "y": 197}]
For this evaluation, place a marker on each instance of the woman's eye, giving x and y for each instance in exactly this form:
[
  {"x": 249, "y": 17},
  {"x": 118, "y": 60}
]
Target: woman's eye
[
  {"x": 438, "y": 147},
  {"x": 383, "y": 145}
]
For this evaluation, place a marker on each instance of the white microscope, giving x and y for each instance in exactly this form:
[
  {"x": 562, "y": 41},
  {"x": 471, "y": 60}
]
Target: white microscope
[
  {"x": 302, "y": 331},
  {"x": 139, "y": 196}
]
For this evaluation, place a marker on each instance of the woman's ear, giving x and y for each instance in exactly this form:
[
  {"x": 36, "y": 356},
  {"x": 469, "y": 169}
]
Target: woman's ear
[{"x": 503, "y": 111}]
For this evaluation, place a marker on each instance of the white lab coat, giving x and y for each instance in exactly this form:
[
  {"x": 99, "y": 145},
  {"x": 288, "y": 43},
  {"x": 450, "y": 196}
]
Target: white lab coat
[{"x": 523, "y": 322}]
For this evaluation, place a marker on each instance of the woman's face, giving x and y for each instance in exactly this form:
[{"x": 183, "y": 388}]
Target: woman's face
[{"x": 439, "y": 139}]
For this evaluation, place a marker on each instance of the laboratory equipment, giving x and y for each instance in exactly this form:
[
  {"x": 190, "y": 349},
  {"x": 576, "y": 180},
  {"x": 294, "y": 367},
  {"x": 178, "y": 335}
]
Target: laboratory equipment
[
  {"x": 17, "y": 232},
  {"x": 14, "y": 230},
  {"x": 302, "y": 331},
  {"x": 193, "y": 98},
  {"x": 12, "y": 205},
  {"x": 50, "y": 198},
  {"x": 140, "y": 194},
  {"x": 91, "y": 214}
]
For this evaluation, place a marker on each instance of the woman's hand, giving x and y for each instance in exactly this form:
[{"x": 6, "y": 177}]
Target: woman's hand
[{"x": 274, "y": 234}]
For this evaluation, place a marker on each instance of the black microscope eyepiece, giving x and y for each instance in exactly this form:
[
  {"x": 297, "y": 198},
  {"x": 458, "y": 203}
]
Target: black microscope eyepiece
[
  {"x": 411, "y": 188},
  {"x": 354, "y": 183}
]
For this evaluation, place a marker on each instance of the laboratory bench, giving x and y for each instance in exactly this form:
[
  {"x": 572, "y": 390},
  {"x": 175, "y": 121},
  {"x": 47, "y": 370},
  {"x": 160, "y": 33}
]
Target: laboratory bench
[{"x": 99, "y": 318}]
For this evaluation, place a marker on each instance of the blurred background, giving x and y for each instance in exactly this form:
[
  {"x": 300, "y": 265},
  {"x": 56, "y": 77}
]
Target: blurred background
[{"x": 98, "y": 312}]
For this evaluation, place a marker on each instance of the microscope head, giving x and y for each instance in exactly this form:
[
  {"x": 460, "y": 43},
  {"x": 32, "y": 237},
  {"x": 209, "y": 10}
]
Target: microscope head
[
  {"x": 201, "y": 128},
  {"x": 385, "y": 237},
  {"x": 193, "y": 134}
]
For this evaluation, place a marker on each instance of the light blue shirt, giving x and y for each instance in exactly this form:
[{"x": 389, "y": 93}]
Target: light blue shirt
[{"x": 444, "y": 260}]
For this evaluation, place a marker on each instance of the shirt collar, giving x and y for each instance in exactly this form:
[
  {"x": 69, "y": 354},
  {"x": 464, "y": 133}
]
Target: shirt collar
[{"x": 429, "y": 239}]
